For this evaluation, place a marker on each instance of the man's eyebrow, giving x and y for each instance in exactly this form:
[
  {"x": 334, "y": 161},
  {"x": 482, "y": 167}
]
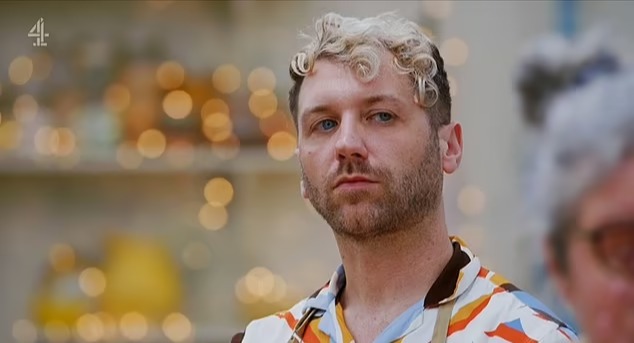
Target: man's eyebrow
[
  {"x": 316, "y": 109},
  {"x": 371, "y": 100}
]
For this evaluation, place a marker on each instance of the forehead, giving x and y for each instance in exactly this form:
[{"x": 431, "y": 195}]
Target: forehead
[
  {"x": 333, "y": 83},
  {"x": 612, "y": 200}
]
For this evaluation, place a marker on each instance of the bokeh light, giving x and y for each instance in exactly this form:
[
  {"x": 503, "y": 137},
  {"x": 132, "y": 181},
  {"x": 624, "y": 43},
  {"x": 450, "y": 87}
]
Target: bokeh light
[
  {"x": 92, "y": 281},
  {"x": 151, "y": 143},
  {"x": 67, "y": 142},
  {"x": 217, "y": 127},
  {"x": 212, "y": 106},
  {"x": 90, "y": 328},
  {"x": 263, "y": 105},
  {"x": 20, "y": 70},
  {"x": 278, "y": 293},
  {"x": 213, "y": 217},
  {"x": 218, "y": 192},
  {"x": 133, "y": 326},
  {"x": 261, "y": 80},
  {"x": 260, "y": 281},
  {"x": 243, "y": 294},
  {"x": 58, "y": 142},
  {"x": 170, "y": 75},
  {"x": 177, "y": 104},
  {"x": 43, "y": 140},
  {"x": 281, "y": 146},
  {"x": 177, "y": 327},
  {"x": 260, "y": 284},
  {"x": 226, "y": 78}
]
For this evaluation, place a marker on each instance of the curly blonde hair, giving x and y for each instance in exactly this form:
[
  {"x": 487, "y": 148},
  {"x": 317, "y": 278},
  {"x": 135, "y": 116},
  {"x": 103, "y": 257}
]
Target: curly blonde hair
[{"x": 357, "y": 43}]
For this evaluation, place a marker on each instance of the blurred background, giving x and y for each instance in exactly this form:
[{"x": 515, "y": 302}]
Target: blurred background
[{"x": 148, "y": 186}]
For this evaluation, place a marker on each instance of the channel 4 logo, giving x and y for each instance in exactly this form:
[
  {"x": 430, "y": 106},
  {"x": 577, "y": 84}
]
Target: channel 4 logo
[{"x": 38, "y": 32}]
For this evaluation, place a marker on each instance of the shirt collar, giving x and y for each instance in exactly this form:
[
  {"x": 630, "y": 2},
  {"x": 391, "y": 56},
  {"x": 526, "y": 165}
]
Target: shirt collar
[{"x": 457, "y": 276}]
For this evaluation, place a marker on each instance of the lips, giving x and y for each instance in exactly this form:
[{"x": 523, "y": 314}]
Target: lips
[{"x": 353, "y": 180}]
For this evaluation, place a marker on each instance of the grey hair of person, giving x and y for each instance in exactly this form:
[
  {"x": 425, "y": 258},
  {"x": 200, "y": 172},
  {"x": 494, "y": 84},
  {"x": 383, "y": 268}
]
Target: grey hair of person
[{"x": 580, "y": 96}]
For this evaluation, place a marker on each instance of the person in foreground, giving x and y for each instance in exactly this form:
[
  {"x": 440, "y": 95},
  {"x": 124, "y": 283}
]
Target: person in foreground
[
  {"x": 372, "y": 107},
  {"x": 580, "y": 96}
]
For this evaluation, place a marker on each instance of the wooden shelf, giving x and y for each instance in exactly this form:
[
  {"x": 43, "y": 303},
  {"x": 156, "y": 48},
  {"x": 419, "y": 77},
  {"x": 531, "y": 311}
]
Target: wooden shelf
[
  {"x": 249, "y": 160},
  {"x": 202, "y": 334}
]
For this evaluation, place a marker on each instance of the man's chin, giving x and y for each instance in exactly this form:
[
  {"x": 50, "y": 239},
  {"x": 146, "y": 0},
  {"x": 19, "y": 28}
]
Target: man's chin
[
  {"x": 357, "y": 218},
  {"x": 358, "y": 229},
  {"x": 358, "y": 209}
]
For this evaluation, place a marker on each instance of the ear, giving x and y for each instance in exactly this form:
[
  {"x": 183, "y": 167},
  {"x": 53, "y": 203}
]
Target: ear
[
  {"x": 302, "y": 188},
  {"x": 450, "y": 137},
  {"x": 556, "y": 272}
]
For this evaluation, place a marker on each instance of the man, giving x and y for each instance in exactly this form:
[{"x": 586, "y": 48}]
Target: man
[
  {"x": 372, "y": 107},
  {"x": 580, "y": 97}
]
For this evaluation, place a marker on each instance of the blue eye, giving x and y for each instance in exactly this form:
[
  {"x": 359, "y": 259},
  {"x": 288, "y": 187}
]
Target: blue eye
[
  {"x": 383, "y": 116},
  {"x": 327, "y": 125}
]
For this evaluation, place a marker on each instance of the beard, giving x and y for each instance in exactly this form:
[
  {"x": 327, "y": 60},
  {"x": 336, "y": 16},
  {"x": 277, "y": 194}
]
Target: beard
[{"x": 408, "y": 197}]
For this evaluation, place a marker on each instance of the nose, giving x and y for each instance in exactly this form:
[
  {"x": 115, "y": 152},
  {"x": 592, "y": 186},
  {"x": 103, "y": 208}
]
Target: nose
[{"x": 350, "y": 142}]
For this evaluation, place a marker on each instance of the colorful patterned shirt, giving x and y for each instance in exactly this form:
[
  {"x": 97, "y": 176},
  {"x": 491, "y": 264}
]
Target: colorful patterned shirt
[{"x": 487, "y": 308}]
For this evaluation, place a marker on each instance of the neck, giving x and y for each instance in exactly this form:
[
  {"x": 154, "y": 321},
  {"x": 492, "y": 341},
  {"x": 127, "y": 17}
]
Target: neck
[{"x": 393, "y": 272}]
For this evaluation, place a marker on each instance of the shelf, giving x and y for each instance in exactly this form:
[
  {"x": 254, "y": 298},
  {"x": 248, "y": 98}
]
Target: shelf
[
  {"x": 249, "y": 160},
  {"x": 202, "y": 334}
]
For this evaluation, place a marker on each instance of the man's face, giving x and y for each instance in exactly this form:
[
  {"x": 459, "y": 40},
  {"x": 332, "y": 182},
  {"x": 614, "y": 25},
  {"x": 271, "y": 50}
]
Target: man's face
[
  {"x": 370, "y": 160},
  {"x": 600, "y": 281}
]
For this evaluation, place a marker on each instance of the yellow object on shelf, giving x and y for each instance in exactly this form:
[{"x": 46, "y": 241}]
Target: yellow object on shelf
[{"x": 142, "y": 278}]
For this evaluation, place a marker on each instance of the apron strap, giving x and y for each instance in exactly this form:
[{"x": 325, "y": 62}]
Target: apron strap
[
  {"x": 304, "y": 321},
  {"x": 442, "y": 322},
  {"x": 302, "y": 325}
]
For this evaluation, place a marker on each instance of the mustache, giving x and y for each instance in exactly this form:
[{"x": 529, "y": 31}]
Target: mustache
[{"x": 358, "y": 168}]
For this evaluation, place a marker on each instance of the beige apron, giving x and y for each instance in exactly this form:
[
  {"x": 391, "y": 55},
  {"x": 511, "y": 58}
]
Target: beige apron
[{"x": 442, "y": 322}]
